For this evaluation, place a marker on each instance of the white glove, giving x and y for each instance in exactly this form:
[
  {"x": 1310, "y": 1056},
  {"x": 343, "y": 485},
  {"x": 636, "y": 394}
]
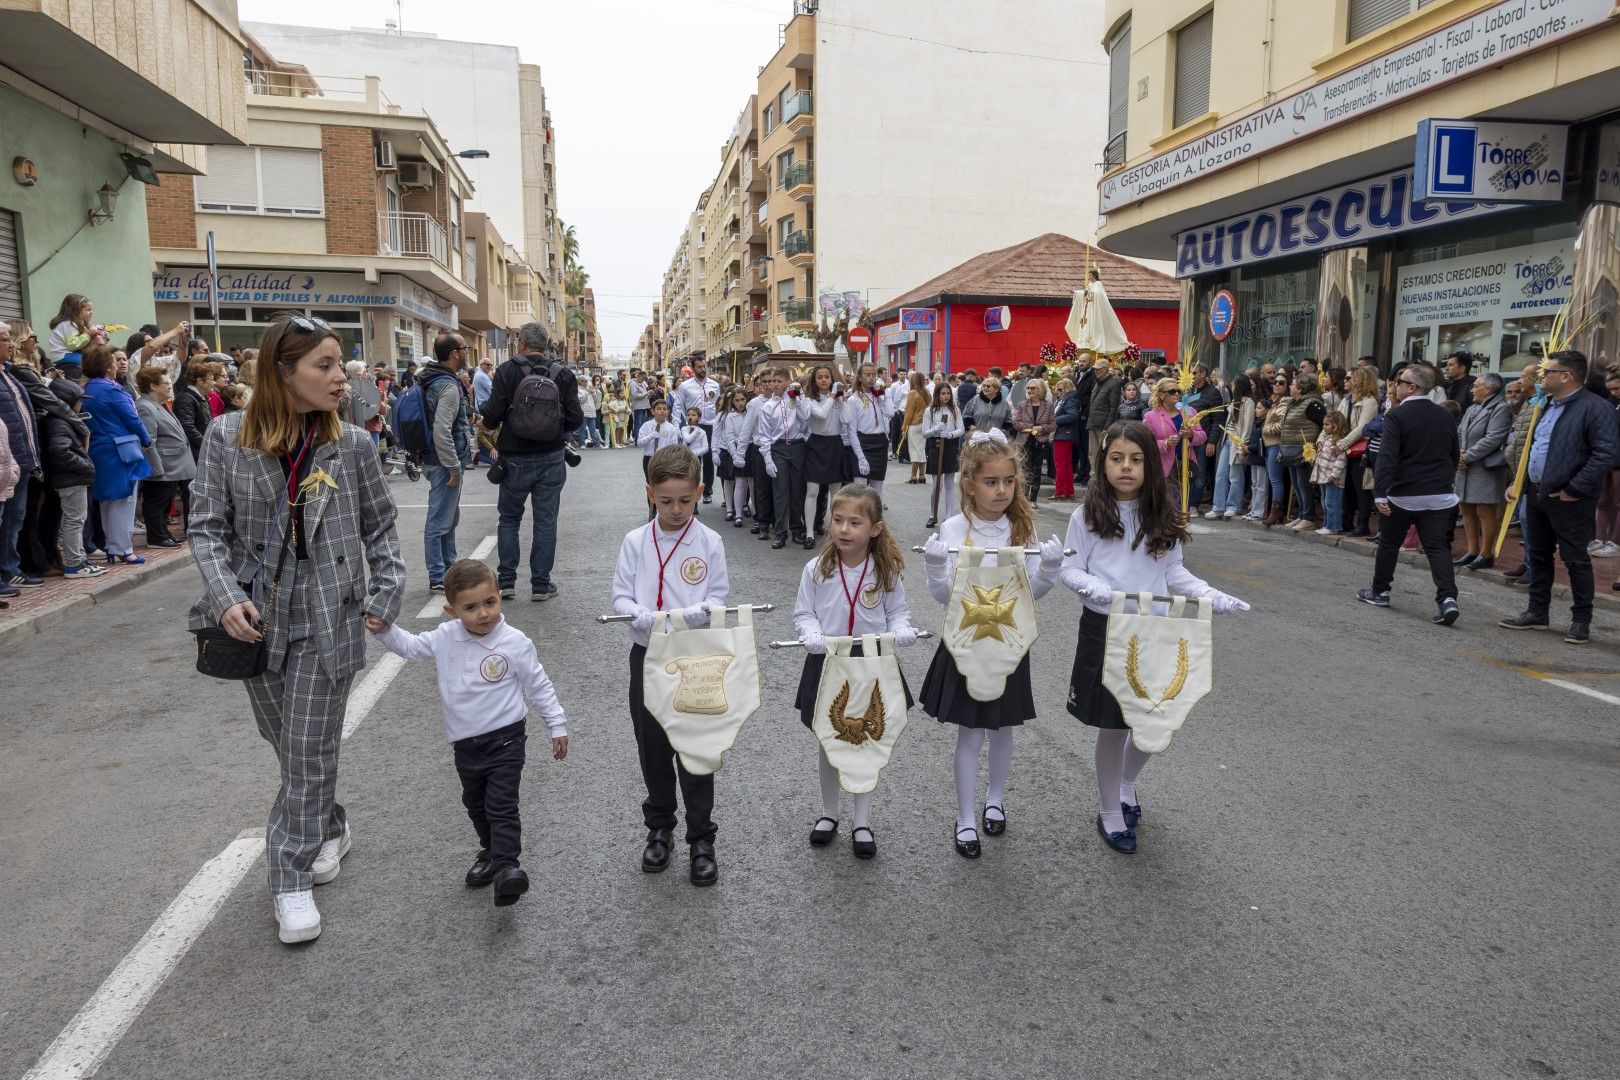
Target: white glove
[
  {"x": 696, "y": 616},
  {"x": 1051, "y": 554},
  {"x": 770, "y": 465},
  {"x": 793, "y": 386},
  {"x": 815, "y": 645},
  {"x": 934, "y": 551},
  {"x": 877, "y": 386},
  {"x": 643, "y": 622},
  {"x": 905, "y": 637},
  {"x": 1099, "y": 593},
  {"x": 1226, "y": 605},
  {"x": 862, "y": 468}
]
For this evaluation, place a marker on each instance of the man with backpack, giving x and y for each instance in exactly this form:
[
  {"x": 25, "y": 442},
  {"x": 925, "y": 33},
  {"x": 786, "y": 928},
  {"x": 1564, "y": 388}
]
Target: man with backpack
[
  {"x": 535, "y": 403},
  {"x": 448, "y": 451}
]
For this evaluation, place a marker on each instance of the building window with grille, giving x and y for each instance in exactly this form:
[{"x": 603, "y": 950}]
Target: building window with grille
[
  {"x": 275, "y": 180},
  {"x": 1369, "y": 15},
  {"x": 1119, "y": 95},
  {"x": 1192, "y": 69}
]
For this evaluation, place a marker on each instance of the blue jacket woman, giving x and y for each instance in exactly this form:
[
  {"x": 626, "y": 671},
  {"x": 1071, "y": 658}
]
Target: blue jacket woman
[{"x": 117, "y": 439}]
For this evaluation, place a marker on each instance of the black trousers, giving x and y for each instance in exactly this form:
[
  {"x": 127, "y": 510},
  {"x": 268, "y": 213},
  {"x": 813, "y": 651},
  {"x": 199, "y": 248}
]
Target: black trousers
[
  {"x": 1569, "y": 526},
  {"x": 1432, "y": 527},
  {"x": 787, "y": 489},
  {"x": 897, "y": 438},
  {"x": 708, "y": 460},
  {"x": 1079, "y": 459},
  {"x": 764, "y": 506},
  {"x": 490, "y": 767},
  {"x": 156, "y": 495},
  {"x": 661, "y": 768},
  {"x": 1035, "y": 455}
]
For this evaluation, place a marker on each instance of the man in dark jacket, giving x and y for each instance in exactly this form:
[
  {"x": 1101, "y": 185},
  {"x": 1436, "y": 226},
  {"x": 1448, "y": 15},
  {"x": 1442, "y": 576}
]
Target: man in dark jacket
[
  {"x": 1206, "y": 396},
  {"x": 1459, "y": 384},
  {"x": 1413, "y": 484},
  {"x": 1572, "y": 449},
  {"x": 531, "y": 470},
  {"x": 449, "y": 451},
  {"x": 1107, "y": 386},
  {"x": 969, "y": 387},
  {"x": 1085, "y": 381}
]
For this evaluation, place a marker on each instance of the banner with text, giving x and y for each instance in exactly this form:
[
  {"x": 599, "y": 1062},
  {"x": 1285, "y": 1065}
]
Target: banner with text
[{"x": 1494, "y": 304}]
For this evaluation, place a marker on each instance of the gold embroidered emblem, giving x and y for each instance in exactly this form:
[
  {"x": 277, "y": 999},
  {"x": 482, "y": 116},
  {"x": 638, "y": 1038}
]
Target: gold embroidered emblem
[
  {"x": 493, "y": 667},
  {"x": 871, "y": 595},
  {"x": 987, "y": 613},
  {"x": 694, "y": 570},
  {"x": 1133, "y": 672},
  {"x": 855, "y": 730},
  {"x": 702, "y": 689}
]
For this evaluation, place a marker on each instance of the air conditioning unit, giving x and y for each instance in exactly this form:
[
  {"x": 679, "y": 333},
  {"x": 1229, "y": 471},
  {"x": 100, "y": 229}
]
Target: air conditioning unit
[
  {"x": 415, "y": 174},
  {"x": 385, "y": 157}
]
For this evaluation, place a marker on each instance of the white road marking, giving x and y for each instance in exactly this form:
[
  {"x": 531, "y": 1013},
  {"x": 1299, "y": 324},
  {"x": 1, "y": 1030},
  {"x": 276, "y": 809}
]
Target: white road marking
[
  {"x": 1587, "y": 690},
  {"x": 464, "y": 506},
  {"x": 89, "y": 1037},
  {"x": 435, "y": 606},
  {"x": 364, "y": 696}
]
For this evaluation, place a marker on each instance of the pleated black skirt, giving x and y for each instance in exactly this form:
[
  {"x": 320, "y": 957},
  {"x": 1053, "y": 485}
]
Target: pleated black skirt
[
  {"x": 1089, "y": 700},
  {"x": 824, "y": 460},
  {"x": 810, "y": 682},
  {"x": 947, "y": 465},
  {"x": 724, "y": 465},
  {"x": 945, "y": 696},
  {"x": 876, "y": 449}
]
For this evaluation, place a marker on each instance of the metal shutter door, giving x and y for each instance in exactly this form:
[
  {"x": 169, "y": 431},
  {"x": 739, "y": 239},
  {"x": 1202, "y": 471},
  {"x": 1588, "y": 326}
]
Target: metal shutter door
[
  {"x": 10, "y": 268},
  {"x": 1119, "y": 81},
  {"x": 1192, "y": 69},
  {"x": 1368, "y": 15}
]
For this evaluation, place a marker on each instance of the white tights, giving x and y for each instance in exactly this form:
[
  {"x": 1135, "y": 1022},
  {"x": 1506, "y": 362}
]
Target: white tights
[
  {"x": 737, "y": 494},
  {"x": 1119, "y": 763},
  {"x": 811, "y": 493},
  {"x": 944, "y": 503},
  {"x": 829, "y": 796},
  {"x": 968, "y": 742}
]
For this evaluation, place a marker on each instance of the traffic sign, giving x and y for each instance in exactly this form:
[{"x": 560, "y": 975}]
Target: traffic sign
[
  {"x": 1222, "y": 314},
  {"x": 859, "y": 338}
]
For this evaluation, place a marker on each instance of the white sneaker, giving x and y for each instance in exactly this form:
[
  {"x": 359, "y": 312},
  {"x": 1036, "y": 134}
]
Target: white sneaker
[
  {"x": 1229, "y": 515},
  {"x": 1606, "y": 550},
  {"x": 1324, "y": 531},
  {"x": 1591, "y": 547},
  {"x": 1213, "y": 515},
  {"x": 299, "y": 918},
  {"x": 330, "y": 857}
]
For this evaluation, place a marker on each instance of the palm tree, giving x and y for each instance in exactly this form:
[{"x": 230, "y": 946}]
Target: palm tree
[
  {"x": 570, "y": 246},
  {"x": 574, "y": 282}
]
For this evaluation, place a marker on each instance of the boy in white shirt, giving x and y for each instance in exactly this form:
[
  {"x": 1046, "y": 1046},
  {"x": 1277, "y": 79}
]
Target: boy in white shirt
[
  {"x": 486, "y": 668},
  {"x": 672, "y": 563}
]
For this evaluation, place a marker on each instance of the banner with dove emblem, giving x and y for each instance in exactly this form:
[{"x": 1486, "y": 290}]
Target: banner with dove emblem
[
  {"x": 990, "y": 620},
  {"x": 701, "y": 685},
  {"x": 860, "y": 709},
  {"x": 1157, "y": 666}
]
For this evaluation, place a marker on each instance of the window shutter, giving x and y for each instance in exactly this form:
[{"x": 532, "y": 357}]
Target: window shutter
[
  {"x": 292, "y": 180},
  {"x": 1119, "y": 81},
  {"x": 1368, "y": 15},
  {"x": 232, "y": 180},
  {"x": 1192, "y": 69},
  {"x": 10, "y": 268}
]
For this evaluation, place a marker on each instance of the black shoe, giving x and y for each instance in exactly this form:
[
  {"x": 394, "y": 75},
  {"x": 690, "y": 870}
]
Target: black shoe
[
  {"x": 705, "y": 871},
  {"x": 542, "y": 592},
  {"x": 1465, "y": 559},
  {"x": 737, "y": 522},
  {"x": 864, "y": 849},
  {"x": 166, "y": 542},
  {"x": 968, "y": 849},
  {"x": 509, "y": 592},
  {"x": 820, "y": 837},
  {"x": 1446, "y": 612},
  {"x": 435, "y": 586},
  {"x": 1522, "y": 570},
  {"x": 1133, "y": 814},
  {"x": 994, "y": 826},
  {"x": 510, "y": 883},
  {"x": 1526, "y": 620},
  {"x": 779, "y": 543},
  {"x": 1122, "y": 842},
  {"x": 729, "y": 515},
  {"x": 655, "y": 856},
  {"x": 1376, "y": 599},
  {"x": 754, "y": 528},
  {"x": 708, "y": 498},
  {"x": 1579, "y": 633},
  {"x": 482, "y": 872},
  {"x": 931, "y": 523},
  {"x": 809, "y": 543},
  {"x": 1482, "y": 562}
]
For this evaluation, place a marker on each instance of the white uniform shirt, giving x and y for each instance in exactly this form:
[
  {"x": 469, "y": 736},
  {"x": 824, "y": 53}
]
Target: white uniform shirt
[
  {"x": 896, "y": 396},
  {"x": 700, "y": 394},
  {"x": 1118, "y": 566},
  {"x": 730, "y": 435},
  {"x": 777, "y": 419},
  {"x": 988, "y": 536},
  {"x": 823, "y": 607},
  {"x": 695, "y": 440},
  {"x": 868, "y": 414},
  {"x": 694, "y": 572},
  {"x": 483, "y": 681},
  {"x": 654, "y": 436},
  {"x": 943, "y": 424}
]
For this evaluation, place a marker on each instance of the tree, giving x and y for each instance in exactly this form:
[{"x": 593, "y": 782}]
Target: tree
[{"x": 570, "y": 247}]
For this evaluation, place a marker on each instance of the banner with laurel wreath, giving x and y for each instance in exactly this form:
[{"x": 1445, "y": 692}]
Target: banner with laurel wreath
[{"x": 1158, "y": 666}]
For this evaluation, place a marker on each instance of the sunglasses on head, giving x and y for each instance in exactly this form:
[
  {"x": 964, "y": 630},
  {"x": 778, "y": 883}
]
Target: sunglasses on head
[{"x": 310, "y": 325}]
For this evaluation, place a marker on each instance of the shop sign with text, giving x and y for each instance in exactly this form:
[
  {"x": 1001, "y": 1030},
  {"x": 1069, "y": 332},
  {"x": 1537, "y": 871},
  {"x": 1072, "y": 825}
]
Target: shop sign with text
[{"x": 1489, "y": 160}]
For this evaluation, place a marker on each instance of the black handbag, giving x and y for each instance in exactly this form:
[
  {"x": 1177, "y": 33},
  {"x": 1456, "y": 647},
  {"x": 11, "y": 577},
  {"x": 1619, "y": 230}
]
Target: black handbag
[
  {"x": 1291, "y": 455},
  {"x": 220, "y": 656}
]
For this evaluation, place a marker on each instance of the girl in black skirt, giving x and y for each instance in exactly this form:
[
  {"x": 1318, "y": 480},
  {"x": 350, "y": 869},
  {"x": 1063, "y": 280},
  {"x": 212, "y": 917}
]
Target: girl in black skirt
[
  {"x": 852, "y": 588},
  {"x": 825, "y": 464},
  {"x": 869, "y": 415},
  {"x": 1127, "y": 537},
  {"x": 995, "y": 514},
  {"x": 942, "y": 428}
]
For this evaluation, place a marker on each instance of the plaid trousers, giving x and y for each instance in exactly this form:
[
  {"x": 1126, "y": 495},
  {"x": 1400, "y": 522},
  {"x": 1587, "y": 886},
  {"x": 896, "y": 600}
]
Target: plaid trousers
[{"x": 299, "y": 710}]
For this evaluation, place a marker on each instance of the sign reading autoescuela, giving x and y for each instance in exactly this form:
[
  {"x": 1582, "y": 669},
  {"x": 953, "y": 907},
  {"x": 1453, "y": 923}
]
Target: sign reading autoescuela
[{"x": 1483, "y": 40}]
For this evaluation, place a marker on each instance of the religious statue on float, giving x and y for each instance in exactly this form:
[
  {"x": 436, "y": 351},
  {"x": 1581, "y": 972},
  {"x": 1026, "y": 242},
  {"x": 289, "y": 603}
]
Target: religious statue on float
[{"x": 1093, "y": 326}]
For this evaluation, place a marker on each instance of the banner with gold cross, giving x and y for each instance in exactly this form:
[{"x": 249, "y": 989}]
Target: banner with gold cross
[
  {"x": 860, "y": 709},
  {"x": 701, "y": 685},
  {"x": 990, "y": 619},
  {"x": 1157, "y": 666}
]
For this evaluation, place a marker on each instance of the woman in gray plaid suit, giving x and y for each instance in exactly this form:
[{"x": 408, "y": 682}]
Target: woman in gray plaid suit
[{"x": 289, "y": 502}]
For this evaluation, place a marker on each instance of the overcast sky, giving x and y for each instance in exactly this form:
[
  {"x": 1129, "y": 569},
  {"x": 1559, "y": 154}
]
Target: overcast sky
[{"x": 642, "y": 95}]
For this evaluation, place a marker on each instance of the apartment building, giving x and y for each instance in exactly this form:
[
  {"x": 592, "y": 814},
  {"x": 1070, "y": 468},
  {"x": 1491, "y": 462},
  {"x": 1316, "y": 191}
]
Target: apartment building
[
  {"x": 1386, "y": 178},
  {"x": 485, "y": 100},
  {"x": 87, "y": 120},
  {"x": 646, "y": 354},
  {"x": 684, "y": 307},
  {"x": 734, "y": 286},
  {"x": 506, "y": 289},
  {"x": 341, "y": 205}
]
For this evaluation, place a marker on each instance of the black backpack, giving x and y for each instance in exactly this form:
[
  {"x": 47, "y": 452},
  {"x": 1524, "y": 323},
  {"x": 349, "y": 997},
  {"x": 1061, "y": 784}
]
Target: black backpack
[{"x": 536, "y": 412}]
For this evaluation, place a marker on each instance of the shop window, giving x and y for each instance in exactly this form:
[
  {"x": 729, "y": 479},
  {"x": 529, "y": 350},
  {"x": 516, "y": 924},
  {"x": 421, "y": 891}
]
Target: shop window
[
  {"x": 1276, "y": 303},
  {"x": 1193, "y": 43},
  {"x": 1369, "y": 15},
  {"x": 1119, "y": 95},
  {"x": 272, "y": 180}
]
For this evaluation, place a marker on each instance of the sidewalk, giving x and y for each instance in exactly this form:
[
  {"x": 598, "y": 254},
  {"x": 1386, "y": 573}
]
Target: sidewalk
[{"x": 37, "y": 610}]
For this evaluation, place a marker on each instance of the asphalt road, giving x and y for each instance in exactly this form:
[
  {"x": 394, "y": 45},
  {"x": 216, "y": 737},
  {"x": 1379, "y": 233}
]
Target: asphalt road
[{"x": 1378, "y": 849}]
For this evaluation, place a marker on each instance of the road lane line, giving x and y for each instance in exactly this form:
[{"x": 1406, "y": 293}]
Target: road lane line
[
  {"x": 371, "y": 688},
  {"x": 1579, "y": 689},
  {"x": 90, "y": 1036},
  {"x": 435, "y": 606},
  {"x": 464, "y": 506},
  {"x": 1542, "y": 676}
]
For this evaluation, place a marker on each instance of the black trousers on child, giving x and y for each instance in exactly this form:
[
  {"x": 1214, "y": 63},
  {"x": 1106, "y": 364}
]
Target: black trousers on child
[
  {"x": 764, "y": 508},
  {"x": 787, "y": 489},
  {"x": 661, "y": 768},
  {"x": 490, "y": 767}
]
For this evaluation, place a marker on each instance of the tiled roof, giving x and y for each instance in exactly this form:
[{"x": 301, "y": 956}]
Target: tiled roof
[{"x": 1050, "y": 267}]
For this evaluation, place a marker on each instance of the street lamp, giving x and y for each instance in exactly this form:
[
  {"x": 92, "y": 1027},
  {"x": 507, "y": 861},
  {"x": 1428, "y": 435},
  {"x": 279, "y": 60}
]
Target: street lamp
[
  {"x": 471, "y": 155},
  {"x": 106, "y": 199}
]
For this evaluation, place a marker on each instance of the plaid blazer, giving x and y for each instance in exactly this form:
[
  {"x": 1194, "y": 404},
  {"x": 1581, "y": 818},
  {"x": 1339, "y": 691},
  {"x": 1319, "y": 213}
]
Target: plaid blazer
[{"x": 239, "y": 522}]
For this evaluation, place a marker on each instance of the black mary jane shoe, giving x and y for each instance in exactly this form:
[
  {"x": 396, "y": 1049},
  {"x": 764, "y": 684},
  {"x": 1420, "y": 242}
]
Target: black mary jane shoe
[
  {"x": 1122, "y": 842},
  {"x": 820, "y": 837},
  {"x": 994, "y": 826},
  {"x": 704, "y": 871},
  {"x": 737, "y": 522},
  {"x": 931, "y": 523},
  {"x": 730, "y": 515},
  {"x": 482, "y": 872},
  {"x": 968, "y": 849},
  {"x": 510, "y": 883},
  {"x": 809, "y": 543},
  {"x": 655, "y": 857},
  {"x": 1133, "y": 814},
  {"x": 779, "y": 543},
  {"x": 864, "y": 849}
]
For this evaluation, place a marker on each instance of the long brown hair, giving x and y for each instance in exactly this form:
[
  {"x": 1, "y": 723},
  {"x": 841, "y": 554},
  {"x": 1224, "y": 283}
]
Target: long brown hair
[
  {"x": 271, "y": 422},
  {"x": 72, "y": 304},
  {"x": 1159, "y": 522},
  {"x": 811, "y": 390},
  {"x": 1019, "y": 512},
  {"x": 886, "y": 557}
]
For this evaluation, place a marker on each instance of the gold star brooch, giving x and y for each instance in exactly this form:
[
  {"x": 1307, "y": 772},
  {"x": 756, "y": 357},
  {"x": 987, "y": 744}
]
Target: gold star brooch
[{"x": 987, "y": 613}]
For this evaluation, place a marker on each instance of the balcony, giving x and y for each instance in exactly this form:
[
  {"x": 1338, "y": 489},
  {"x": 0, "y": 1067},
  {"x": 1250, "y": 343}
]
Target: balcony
[
  {"x": 796, "y": 311},
  {"x": 759, "y": 278},
  {"x": 798, "y": 180},
  {"x": 420, "y": 236},
  {"x": 519, "y": 312},
  {"x": 753, "y": 177},
  {"x": 797, "y": 115},
  {"x": 799, "y": 248}
]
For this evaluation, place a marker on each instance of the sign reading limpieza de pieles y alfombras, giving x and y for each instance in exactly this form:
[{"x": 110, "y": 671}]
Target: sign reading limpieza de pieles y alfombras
[{"x": 1483, "y": 40}]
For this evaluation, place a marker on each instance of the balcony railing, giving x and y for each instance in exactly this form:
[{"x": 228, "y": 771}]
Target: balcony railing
[
  {"x": 519, "y": 311},
  {"x": 798, "y": 243},
  {"x": 419, "y": 236},
  {"x": 1114, "y": 152},
  {"x": 795, "y": 311},
  {"x": 798, "y": 105},
  {"x": 800, "y": 172}
]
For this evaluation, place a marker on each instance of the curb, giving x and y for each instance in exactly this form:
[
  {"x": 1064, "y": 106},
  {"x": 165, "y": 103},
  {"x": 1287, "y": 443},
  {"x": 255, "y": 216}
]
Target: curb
[{"x": 45, "y": 618}]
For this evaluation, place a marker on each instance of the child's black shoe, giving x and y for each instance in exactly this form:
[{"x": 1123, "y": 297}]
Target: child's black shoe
[
  {"x": 510, "y": 883},
  {"x": 482, "y": 872}
]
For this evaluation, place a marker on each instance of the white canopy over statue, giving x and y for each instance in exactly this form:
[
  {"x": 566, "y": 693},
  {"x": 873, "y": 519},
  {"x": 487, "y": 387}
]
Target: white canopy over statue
[{"x": 1093, "y": 326}]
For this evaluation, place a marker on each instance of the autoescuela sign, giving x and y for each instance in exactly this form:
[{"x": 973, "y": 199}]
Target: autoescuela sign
[
  {"x": 1483, "y": 40},
  {"x": 1490, "y": 160}
]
